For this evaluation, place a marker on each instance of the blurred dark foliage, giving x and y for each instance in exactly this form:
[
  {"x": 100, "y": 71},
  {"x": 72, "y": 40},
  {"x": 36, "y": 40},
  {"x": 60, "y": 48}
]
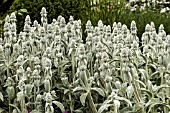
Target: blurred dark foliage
[{"x": 54, "y": 8}]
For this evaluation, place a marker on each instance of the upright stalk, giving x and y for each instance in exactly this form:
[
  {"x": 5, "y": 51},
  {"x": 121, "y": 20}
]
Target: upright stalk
[
  {"x": 91, "y": 103},
  {"x": 137, "y": 93},
  {"x": 71, "y": 103},
  {"x": 34, "y": 95},
  {"x": 91, "y": 65},
  {"x": 23, "y": 105},
  {"x": 162, "y": 82},
  {"x": 9, "y": 105},
  {"x": 115, "y": 111},
  {"x": 73, "y": 65}
]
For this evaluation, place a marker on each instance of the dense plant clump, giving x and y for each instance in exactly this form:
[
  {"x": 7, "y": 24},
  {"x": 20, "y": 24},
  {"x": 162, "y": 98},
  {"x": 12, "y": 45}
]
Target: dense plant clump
[
  {"x": 48, "y": 68},
  {"x": 162, "y": 5}
]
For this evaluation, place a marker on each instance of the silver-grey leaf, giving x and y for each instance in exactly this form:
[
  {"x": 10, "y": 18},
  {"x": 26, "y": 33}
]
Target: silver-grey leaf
[
  {"x": 83, "y": 98},
  {"x": 99, "y": 90},
  {"x": 103, "y": 107},
  {"x": 60, "y": 105}
]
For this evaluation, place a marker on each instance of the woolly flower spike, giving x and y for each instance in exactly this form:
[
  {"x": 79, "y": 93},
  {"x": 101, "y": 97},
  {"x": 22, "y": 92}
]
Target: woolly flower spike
[
  {"x": 133, "y": 24},
  {"x": 114, "y": 25},
  {"x": 69, "y": 27},
  {"x": 62, "y": 21},
  {"x": 152, "y": 24},
  {"x": 89, "y": 27},
  {"x": 71, "y": 19},
  {"x": 108, "y": 28},
  {"x": 161, "y": 27},
  {"x": 28, "y": 20},
  {"x": 49, "y": 28},
  {"x": 13, "y": 27},
  {"x": 42, "y": 30},
  {"x": 100, "y": 23},
  {"x": 43, "y": 12},
  {"x": 147, "y": 28},
  {"x": 13, "y": 17},
  {"x": 6, "y": 26},
  {"x": 124, "y": 27},
  {"x": 59, "y": 18},
  {"x": 26, "y": 28},
  {"x": 88, "y": 23},
  {"x": 7, "y": 19},
  {"x": 119, "y": 25}
]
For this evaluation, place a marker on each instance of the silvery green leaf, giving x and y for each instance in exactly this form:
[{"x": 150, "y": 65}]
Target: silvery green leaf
[
  {"x": 78, "y": 111},
  {"x": 20, "y": 95},
  {"x": 141, "y": 83},
  {"x": 64, "y": 43},
  {"x": 147, "y": 91},
  {"x": 167, "y": 72},
  {"x": 130, "y": 91},
  {"x": 158, "y": 104},
  {"x": 83, "y": 98},
  {"x": 153, "y": 74},
  {"x": 63, "y": 63},
  {"x": 99, "y": 90},
  {"x": 60, "y": 105},
  {"x": 11, "y": 92},
  {"x": 66, "y": 90},
  {"x": 108, "y": 101},
  {"x": 124, "y": 99},
  {"x": 153, "y": 66},
  {"x": 151, "y": 101},
  {"x": 1, "y": 96},
  {"x": 103, "y": 107},
  {"x": 78, "y": 88},
  {"x": 153, "y": 49},
  {"x": 144, "y": 57},
  {"x": 160, "y": 95},
  {"x": 126, "y": 110},
  {"x": 114, "y": 60},
  {"x": 158, "y": 88},
  {"x": 134, "y": 71},
  {"x": 15, "y": 107},
  {"x": 143, "y": 73},
  {"x": 70, "y": 51}
]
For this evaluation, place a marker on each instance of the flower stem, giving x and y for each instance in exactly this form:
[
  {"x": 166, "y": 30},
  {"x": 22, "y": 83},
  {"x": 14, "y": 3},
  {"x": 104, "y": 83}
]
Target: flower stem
[
  {"x": 73, "y": 65},
  {"x": 9, "y": 105},
  {"x": 71, "y": 103},
  {"x": 23, "y": 105},
  {"x": 91, "y": 103}
]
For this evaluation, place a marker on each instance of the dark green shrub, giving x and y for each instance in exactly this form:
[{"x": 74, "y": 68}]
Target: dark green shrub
[{"x": 145, "y": 17}]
